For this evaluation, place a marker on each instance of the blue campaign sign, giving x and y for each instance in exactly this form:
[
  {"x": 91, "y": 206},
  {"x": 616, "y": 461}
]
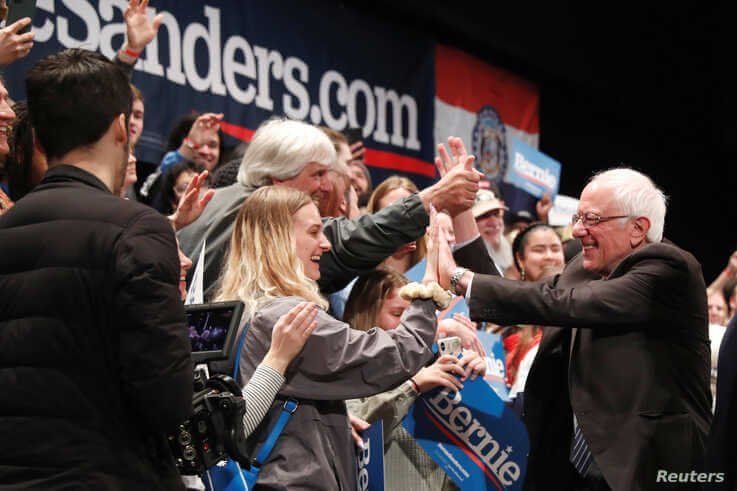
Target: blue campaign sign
[
  {"x": 416, "y": 272},
  {"x": 532, "y": 171},
  {"x": 370, "y": 459},
  {"x": 496, "y": 369},
  {"x": 472, "y": 435}
]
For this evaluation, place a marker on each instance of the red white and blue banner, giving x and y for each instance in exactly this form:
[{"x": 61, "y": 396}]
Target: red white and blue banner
[{"x": 316, "y": 61}]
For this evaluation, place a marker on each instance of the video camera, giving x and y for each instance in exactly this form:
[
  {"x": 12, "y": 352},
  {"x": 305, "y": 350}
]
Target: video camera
[{"x": 214, "y": 432}]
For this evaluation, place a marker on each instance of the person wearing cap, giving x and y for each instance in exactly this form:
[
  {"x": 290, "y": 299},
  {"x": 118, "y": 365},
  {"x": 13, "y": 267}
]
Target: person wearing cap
[{"x": 488, "y": 210}]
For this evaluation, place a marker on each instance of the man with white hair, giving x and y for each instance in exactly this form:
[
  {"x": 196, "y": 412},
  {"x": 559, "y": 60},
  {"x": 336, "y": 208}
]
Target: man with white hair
[
  {"x": 295, "y": 154},
  {"x": 618, "y": 395}
]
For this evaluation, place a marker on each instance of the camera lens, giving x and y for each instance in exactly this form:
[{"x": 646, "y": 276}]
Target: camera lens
[
  {"x": 188, "y": 453},
  {"x": 442, "y": 346},
  {"x": 185, "y": 438}
]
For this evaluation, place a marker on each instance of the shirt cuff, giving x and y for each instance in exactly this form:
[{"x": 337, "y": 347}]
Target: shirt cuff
[
  {"x": 467, "y": 296},
  {"x": 464, "y": 243}
]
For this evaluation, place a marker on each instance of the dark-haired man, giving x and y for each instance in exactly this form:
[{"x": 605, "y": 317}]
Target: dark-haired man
[{"x": 94, "y": 355}]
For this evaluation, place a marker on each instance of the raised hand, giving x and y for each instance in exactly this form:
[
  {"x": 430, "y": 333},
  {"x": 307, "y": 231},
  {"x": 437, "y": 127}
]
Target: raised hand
[
  {"x": 543, "y": 207},
  {"x": 204, "y": 127},
  {"x": 431, "y": 257},
  {"x": 458, "y": 156},
  {"x": 289, "y": 335},
  {"x": 191, "y": 205},
  {"x": 14, "y": 46},
  {"x": 459, "y": 182},
  {"x": 139, "y": 29},
  {"x": 357, "y": 151}
]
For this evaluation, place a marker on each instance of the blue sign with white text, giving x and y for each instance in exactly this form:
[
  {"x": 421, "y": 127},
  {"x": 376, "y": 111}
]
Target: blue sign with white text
[
  {"x": 478, "y": 441},
  {"x": 496, "y": 371},
  {"x": 532, "y": 171},
  {"x": 370, "y": 459}
]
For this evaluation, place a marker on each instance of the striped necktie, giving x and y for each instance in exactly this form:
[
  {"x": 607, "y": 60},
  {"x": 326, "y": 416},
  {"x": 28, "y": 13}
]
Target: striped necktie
[{"x": 581, "y": 457}]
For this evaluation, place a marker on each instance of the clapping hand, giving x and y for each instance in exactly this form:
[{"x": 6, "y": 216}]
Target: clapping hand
[
  {"x": 440, "y": 262},
  {"x": 459, "y": 181}
]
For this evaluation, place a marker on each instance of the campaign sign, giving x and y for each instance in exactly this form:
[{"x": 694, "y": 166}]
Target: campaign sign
[
  {"x": 496, "y": 370},
  {"x": 563, "y": 209},
  {"x": 478, "y": 441},
  {"x": 532, "y": 170},
  {"x": 416, "y": 272},
  {"x": 370, "y": 459}
]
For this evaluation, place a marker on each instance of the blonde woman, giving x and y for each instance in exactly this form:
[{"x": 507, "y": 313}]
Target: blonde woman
[{"x": 272, "y": 266}]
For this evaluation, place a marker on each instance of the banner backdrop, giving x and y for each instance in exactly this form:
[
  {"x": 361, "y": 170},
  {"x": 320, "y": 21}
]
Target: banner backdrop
[
  {"x": 487, "y": 107},
  {"x": 315, "y": 61}
]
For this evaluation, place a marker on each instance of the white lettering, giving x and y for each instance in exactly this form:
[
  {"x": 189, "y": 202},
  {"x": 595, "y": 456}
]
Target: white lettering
[
  {"x": 174, "y": 72},
  {"x": 211, "y": 37},
  {"x": 297, "y": 91},
  {"x": 86, "y": 12},
  {"x": 331, "y": 77},
  {"x": 357, "y": 87},
  {"x": 112, "y": 29},
  {"x": 509, "y": 473},
  {"x": 265, "y": 59},
  {"x": 661, "y": 476},
  {"x": 245, "y": 72},
  {"x": 383, "y": 98},
  {"x": 534, "y": 172},
  {"x": 231, "y": 68},
  {"x": 460, "y": 418},
  {"x": 460, "y": 421},
  {"x": 46, "y": 31}
]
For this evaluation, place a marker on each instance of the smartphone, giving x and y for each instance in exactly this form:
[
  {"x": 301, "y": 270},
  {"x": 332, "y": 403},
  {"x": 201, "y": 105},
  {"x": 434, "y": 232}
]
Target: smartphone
[
  {"x": 450, "y": 346},
  {"x": 353, "y": 135},
  {"x": 18, "y": 9}
]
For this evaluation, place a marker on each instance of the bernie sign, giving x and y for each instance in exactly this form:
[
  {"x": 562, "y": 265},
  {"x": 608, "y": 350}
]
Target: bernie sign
[{"x": 478, "y": 441}]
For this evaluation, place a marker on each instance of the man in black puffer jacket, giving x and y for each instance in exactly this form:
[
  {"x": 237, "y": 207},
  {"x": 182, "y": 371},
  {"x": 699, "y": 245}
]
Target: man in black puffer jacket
[{"x": 94, "y": 355}]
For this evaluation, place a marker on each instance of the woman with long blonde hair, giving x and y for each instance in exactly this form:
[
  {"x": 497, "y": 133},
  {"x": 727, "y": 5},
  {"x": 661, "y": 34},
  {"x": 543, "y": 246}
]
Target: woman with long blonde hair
[{"x": 273, "y": 265}]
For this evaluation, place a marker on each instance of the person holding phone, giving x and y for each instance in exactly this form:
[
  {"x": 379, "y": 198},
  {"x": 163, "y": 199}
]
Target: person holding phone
[{"x": 16, "y": 39}]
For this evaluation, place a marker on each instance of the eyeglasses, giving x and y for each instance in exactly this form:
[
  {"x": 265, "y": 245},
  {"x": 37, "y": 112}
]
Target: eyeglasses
[{"x": 591, "y": 219}]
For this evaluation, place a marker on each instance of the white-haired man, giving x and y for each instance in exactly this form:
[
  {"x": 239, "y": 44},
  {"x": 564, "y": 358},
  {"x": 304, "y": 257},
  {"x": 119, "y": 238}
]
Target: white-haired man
[
  {"x": 298, "y": 155},
  {"x": 618, "y": 395}
]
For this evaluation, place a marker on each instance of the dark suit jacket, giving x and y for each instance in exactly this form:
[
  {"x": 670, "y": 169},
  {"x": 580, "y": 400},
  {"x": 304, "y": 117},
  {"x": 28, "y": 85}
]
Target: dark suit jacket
[
  {"x": 638, "y": 379},
  {"x": 722, "y": 447}
]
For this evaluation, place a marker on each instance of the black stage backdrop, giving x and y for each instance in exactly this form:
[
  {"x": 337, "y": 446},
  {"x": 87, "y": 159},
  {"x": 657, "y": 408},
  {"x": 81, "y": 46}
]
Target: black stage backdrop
[{"x": 647, "y": 86}]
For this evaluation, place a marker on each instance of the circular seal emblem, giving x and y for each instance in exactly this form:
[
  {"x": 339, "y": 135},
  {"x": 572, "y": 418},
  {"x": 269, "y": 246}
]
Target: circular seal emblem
[{"x": 489, "y": 144}]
